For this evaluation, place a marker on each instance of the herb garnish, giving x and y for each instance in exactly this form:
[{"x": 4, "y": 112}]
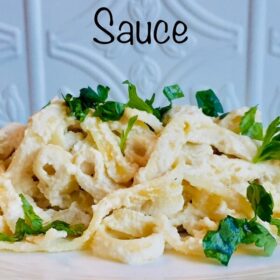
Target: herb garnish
[
  {"x": 248, "y": 125},
  {"x": 171, "y": 93},
  {"x": 32, "y": 224},
  {"x": 90, "y": 97},
  {"x": 72, "y": 230},
  {"x": 125, "y": 133},
  {"x": 270, "y": 148},
  {"x": 111, "y": 110},
  {"x": 77, "y": 108},
  {"x": 261, "y": 201},
  {"x": 209, "y": 103},
  {"x": 30, "y": 217},
  {"x": 135, "y": 101},
  {"x": 80, "y": 106},
  {"x": 222, "y": 243}
]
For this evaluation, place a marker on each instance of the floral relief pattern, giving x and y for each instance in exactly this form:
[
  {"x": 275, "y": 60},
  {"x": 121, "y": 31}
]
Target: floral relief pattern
[
  {"x": 11, "y": 106},
  {"x": 10, "y": 43},
  {"x": 83, "y": 59},
  {"x": 208, "y": 24},
  {"x": 146, "y": 75},
  {"x": 144, "y": 10}
]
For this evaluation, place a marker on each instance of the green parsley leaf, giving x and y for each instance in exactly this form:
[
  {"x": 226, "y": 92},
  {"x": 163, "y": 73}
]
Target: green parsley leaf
[
  {"x": 158, "y": 112},
  {"x": 80, "y": 106},
  {"x": 209, "y": 103},
  {"x": 31, "y": 218},
  {"x": 135, "y": 101},
  {"x": 103, "y": 92},
  {"x": 22, "y": 229},
  {"x": 32, "y": 224},
  {"x": 173, "y": 92},
  {"x": 262, "y": 204},
  {"x": 161, "y": 111},
  {"x": 232, "y": 232},
  {"x": 270, "y": 148},
  {"x": 257, "y": 234},
  {"x": 261, "y": 201},
  {"x": 110, "y": 111},
  {"x": 8, "y": 238},
  {"x": 91, "y": 98},
  {"x": 248, "y": 125},
  {"x": 151, "y": 101},
  {"x": 72, "y": 230},
  {"x": 125, "y": 133},
  {"x": 223, "y": 242},
  {"x": 77, "y": 109}
]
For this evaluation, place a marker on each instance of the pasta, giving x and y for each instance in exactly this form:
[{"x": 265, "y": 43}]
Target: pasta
[{"x": 175, "y": 181}]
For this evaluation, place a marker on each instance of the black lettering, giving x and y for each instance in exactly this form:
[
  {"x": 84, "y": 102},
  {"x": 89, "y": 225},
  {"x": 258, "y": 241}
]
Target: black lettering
[
  {"x": 176, "y": 33},
  {"x": 103, "y": 28},
  {"x": 138, "y": 31},
  {"x": 165, "y": 31},
  {"x": 128, "y": 35}
]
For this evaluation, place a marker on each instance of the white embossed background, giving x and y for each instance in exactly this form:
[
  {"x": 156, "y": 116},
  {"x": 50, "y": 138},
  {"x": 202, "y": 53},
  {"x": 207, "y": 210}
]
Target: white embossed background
[{"x": 46, "y": 47}]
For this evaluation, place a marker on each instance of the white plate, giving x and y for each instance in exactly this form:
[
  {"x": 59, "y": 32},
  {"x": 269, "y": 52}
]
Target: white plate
[{"x": 80, "y": 265}]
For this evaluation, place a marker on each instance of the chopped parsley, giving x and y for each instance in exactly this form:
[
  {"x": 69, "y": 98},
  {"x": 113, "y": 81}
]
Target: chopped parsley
[
  {"x": 89, "y": 99},
  {"x": 270, "y": 148},
  {"x": 173, "y": 92},
  {"x": 125, "y": 133},
  {"x": 209, "y": 103},
  {"x": 109, "y": 111},
  {"x": 170, "y": 92},
  {"x": 257, "y": 234},
  {"x": 79, "y": 107},
  {"x": 248, "y": 125},
  {"x": 223, "y": 242},
  {"x": 159, "y": 112},
  {"x": 261, "y": 201},
  {"x": 72, "y": 230},
  {"x": 134, "y": 101},
  {"x": 30, "y": 217},
  {"x": 232, "y": 232},
  {"x": 32, "y": 224}
]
